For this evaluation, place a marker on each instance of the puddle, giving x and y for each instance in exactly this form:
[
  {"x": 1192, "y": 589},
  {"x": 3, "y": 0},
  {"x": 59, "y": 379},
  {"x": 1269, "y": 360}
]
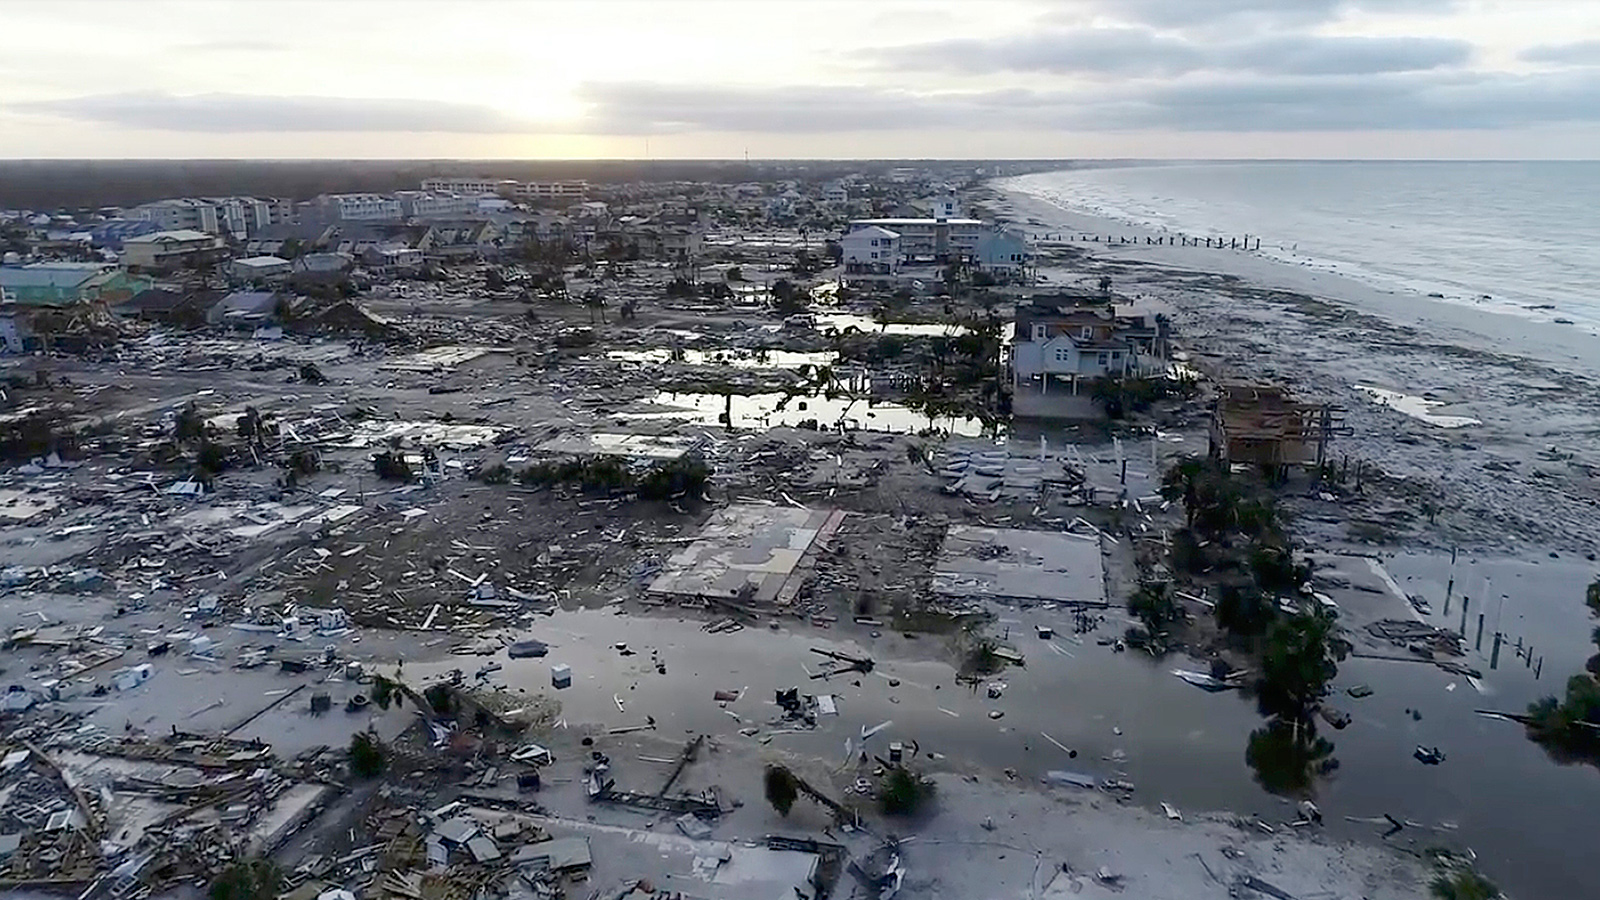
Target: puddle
[
  {"x": 1416, "y": 407},
  {"x": 738, "y": 359},
  {"x": 776, "y": 409},
  {"x": 841, "y": 322}
]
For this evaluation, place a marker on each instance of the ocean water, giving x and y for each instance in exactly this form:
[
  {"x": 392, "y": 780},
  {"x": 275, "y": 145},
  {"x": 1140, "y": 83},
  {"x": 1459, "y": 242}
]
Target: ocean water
[{"x": 1521, "y": 237}]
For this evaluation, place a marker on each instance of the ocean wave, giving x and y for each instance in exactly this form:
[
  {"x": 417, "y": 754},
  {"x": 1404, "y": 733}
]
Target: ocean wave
[{"x": 1502, "y": 240}]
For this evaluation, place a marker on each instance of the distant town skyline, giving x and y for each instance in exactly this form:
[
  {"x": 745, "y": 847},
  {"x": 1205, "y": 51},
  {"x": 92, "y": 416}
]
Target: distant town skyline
[{"x": 776, "y": 79}]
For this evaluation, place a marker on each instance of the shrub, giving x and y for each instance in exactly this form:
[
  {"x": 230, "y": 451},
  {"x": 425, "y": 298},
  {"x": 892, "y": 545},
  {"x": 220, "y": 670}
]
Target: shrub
[
  {"x": 1463, "y": 884},
  {"x": 904, "y": 793},
  {"x": 1275, "y": 569},
  {"x": 305, "y": 461},
  {"x": 367, "y": 755},
  {"x": 982, "y": 659},
  {"x": 665, "y": 480},
  {"x": 1572, "y": 724},
  {"x": 782, "y": 789},
  {"x": 391, "y": 465},
  {"x": 189, "y": 425},
  {"x": 440, "y": 699},
  {"x": 386, "y": 693},
  {"x": 212, "y": 459},
  {"x": 35, "y": 434},
  {"x": 253, "y": 879},
  {"x": 1244, "y": 611},
  {"x": 1154, "y": 606}
]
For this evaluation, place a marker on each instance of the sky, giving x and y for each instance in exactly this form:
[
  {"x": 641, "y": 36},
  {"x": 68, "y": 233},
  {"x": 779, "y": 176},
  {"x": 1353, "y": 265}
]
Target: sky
[{"x": 991, "y": 79}]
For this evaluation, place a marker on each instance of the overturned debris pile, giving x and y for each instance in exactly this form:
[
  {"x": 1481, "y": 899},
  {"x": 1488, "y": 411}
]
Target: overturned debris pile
[{"x": 1417, "y": 637}]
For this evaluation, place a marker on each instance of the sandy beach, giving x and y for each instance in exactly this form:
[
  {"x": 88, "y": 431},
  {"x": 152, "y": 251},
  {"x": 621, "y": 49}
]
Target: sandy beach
[{"x": 1497, "y": 429}]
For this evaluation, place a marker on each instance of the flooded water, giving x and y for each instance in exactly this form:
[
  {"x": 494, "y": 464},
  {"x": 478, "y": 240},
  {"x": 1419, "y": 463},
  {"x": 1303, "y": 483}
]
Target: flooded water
[
  {"x": 1416, "y": 407},
  {"x": 738, "y": 359},
  {"x": 842, "y": 322},
  {"x": 775, "y": 409},
  {"x": 1129, "y": 718}
]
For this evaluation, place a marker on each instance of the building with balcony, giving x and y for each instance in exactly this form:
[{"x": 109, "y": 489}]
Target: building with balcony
[
  {"x": 930, "y": 239},
  {"x": 356, "y": 208},
  {"x": 164, "y": 250},
  {"x": 873, "y": 250}
]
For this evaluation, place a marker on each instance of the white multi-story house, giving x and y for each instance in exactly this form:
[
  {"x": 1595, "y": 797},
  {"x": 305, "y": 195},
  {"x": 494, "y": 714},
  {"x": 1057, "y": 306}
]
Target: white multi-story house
[
  {"x": 179, "y": 214},
  {"x": 505, "y": 187},
  {"x": 942, "y": 206},
  {"x": 871, "y": 251},
  {"x": 475, "y": 186},
  {"x": 934, "y": 239},
  {"x": 357, "y": 207},
  {"x": 1085, "y": 343},
  {"x": 240, "y": 217},
  {"x": 551, "y": 190},
  {"x": 427, "y": 205},
  {"x": 835, "y": 193}
]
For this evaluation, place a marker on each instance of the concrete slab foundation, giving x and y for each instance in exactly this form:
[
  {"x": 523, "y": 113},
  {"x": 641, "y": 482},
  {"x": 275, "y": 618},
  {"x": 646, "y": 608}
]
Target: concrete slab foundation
[
  {"x": 746, "y": 552},
  {"x": 1006, "y": 564}
]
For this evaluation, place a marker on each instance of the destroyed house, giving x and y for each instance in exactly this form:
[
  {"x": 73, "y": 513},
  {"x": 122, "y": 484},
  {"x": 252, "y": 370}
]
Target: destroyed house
[
  {"x": 1262, "y": 425},
  {"x": 173, "y": 307},
  {"x": 244, "y": 309},
  {"x": 463, "y": 237},
  {"x": 354, "y": 238},
  {"x": 289, "y": 237}
]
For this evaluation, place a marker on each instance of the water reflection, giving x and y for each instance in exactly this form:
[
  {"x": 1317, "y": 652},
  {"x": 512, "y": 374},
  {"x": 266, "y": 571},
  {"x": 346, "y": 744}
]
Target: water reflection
[
  {"x": 822, "y": 410},
  {"x": 1288, "y": 757},
  {"x": 1416, "y": 407},
  {"x": 737, "y": 359}
]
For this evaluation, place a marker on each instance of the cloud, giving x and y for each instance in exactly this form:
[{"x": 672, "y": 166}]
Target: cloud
[
  {"x": 1317, "y": 55},
  {"x": 1202, "y": 102},
  {"x": 1400, "y": 102},
  {"x": 248, "y": 113},
  {"x": 1108, "y": 51},
  {"x": 1582, "y": 53},
  {"x": 243, "y": 45},
  {"x": 1388, "y": 102},
  {"x": 1143, "y": 52},
  {"x": 1255, "y": 14},
  {"x": 648, "y": 108}
]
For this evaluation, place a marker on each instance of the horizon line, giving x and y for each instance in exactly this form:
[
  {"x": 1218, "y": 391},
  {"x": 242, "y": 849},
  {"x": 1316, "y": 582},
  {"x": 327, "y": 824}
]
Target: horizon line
[{"x": 780, "y": 159}]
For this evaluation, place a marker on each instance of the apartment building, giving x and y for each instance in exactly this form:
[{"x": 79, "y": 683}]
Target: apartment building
[
  {"x": 430, "y": 205},
  {"x": 930, "y": 239},
  {"x": 551, "y": 190},
  {"x": 356, "y": 207},
  {"x": 505, "y": 187},
  {"x": 236, "y": 216},
  {"x": 473, "y": 186}
]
